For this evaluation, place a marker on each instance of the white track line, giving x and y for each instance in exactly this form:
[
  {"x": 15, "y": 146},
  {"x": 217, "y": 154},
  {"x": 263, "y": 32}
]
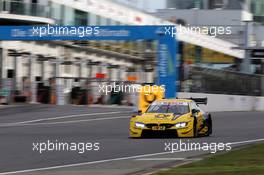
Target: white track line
[
  {"x": 112, "y": 106},
  {"x": 159, "y": 159},
  {"x": 67, "y": 122},
  {"x": 64, "y": 117},
  {"x": 86, "y": 163},
  {"x": 247, "y": 141},
  {"x": 111, "y": 160},
  {"x": 164, "y": 159}
]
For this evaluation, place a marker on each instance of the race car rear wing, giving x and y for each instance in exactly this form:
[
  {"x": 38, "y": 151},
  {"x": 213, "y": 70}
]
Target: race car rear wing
[{"x": 202, "y": 101}]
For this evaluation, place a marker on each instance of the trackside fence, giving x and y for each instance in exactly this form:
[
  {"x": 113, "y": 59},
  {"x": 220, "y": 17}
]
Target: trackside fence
[{"x": 214, "y": 81}]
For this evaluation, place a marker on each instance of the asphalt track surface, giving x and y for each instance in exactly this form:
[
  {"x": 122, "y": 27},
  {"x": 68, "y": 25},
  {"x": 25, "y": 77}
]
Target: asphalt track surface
[{"x": 21, "y": 126}]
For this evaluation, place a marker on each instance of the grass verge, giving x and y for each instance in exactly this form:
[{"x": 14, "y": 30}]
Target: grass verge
[{"x": 245, "y": 161}]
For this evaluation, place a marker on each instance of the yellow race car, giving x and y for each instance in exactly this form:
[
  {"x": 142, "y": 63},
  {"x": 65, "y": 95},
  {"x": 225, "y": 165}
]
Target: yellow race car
[{"x": 173, "y": 118}]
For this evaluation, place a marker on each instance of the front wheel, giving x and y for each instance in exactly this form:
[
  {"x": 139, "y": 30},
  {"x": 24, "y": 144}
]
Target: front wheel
[
  {"x": 209, "y": 124},
  {"x": 195, "y": 132}
]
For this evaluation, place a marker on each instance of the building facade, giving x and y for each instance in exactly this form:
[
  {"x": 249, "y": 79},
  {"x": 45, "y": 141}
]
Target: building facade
[
  {"x": 256, "y": 7},
  {"x": 116, "y": 60},
  {"x": 231, "y": 14}
]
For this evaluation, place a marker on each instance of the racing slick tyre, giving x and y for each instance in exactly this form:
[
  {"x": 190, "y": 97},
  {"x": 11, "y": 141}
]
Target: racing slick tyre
[
  {"x": 195, "y": 132},
  {"x": 209, "y": 125}
]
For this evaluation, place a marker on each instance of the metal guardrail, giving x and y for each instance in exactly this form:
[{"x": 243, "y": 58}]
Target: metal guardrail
[{"x": 205, "y": 80}]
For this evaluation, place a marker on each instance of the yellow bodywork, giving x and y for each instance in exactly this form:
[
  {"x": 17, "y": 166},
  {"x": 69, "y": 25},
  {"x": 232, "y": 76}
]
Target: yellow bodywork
[{"x": 169, "y": 119}]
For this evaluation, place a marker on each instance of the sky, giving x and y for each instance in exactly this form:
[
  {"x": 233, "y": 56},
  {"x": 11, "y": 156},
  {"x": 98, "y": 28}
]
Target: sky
[{"x": 148, "y": 5}]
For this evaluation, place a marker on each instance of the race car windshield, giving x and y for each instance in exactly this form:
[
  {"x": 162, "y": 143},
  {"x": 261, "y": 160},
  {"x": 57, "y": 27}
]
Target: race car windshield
[{"x": 168, "y": 108}]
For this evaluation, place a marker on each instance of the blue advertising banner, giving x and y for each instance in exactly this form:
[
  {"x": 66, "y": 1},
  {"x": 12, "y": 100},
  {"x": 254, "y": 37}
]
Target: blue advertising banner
[
  {"x": 167, "y": 69},
  {"x": 167, "y": 66},
  {"x": 49, "y": 32}
]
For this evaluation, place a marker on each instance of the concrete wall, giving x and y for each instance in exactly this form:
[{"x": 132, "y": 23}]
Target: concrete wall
[{"x": 222, "y": 102}]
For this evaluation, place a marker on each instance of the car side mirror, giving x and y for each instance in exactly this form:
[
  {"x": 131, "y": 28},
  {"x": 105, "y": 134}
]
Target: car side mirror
[
  {"x": 136, "y": 113},
  {"x": 133, "y": 116},
  {"x": 194, "y": 111}
]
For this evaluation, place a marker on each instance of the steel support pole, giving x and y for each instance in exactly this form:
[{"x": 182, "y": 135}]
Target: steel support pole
[
  {"x": 43, "y": 70},
  {"x": 15, "y": 74},
  {"x": 262, "y": 86},
  {"x": 1, "y": 63},
  {"x": 262, "y": 78},
  {"x": 80, "y": 65},
  {"x": 89, "y": 71},
  {"x": 59, "y": 85},
  {"x": 110, "y": 72},
  {"x": 247, "y": 60},
  {"x": 33, "y": 85},
  {"x": 262, "y": 67}
]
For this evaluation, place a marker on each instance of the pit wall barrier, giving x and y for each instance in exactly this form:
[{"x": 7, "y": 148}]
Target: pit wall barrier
[{"x": 222, "y": 102}]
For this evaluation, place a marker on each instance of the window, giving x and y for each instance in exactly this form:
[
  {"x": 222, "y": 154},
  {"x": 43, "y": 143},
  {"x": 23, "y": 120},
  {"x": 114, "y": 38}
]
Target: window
[
  {"x": 108, "y": 21},
  {"x": 56, "y": 12},
  {"x": 216, "y": 4},
  {"x": 88, "y": 19},
  {"x": 92, "y": 19},
  {"x": 257, "y": 7},
  {"x": 98, "y": 20},
  {"x": 80, "y": 18},
  {"x": 168, "y": 108},
  {"x": 103, "y": 21},
  {"x": 68, "y": 16},
  {"x": 184, "y": 4}
]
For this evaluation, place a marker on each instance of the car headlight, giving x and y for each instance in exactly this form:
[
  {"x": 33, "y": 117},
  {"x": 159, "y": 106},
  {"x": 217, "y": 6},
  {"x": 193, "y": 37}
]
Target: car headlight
[
  {"x": 139, "y": 125},
  {"x": 181, "y": 124}
]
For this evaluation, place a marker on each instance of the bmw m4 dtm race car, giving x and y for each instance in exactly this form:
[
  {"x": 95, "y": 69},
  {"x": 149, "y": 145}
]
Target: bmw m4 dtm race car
[{"x": 174, "y": 117}]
